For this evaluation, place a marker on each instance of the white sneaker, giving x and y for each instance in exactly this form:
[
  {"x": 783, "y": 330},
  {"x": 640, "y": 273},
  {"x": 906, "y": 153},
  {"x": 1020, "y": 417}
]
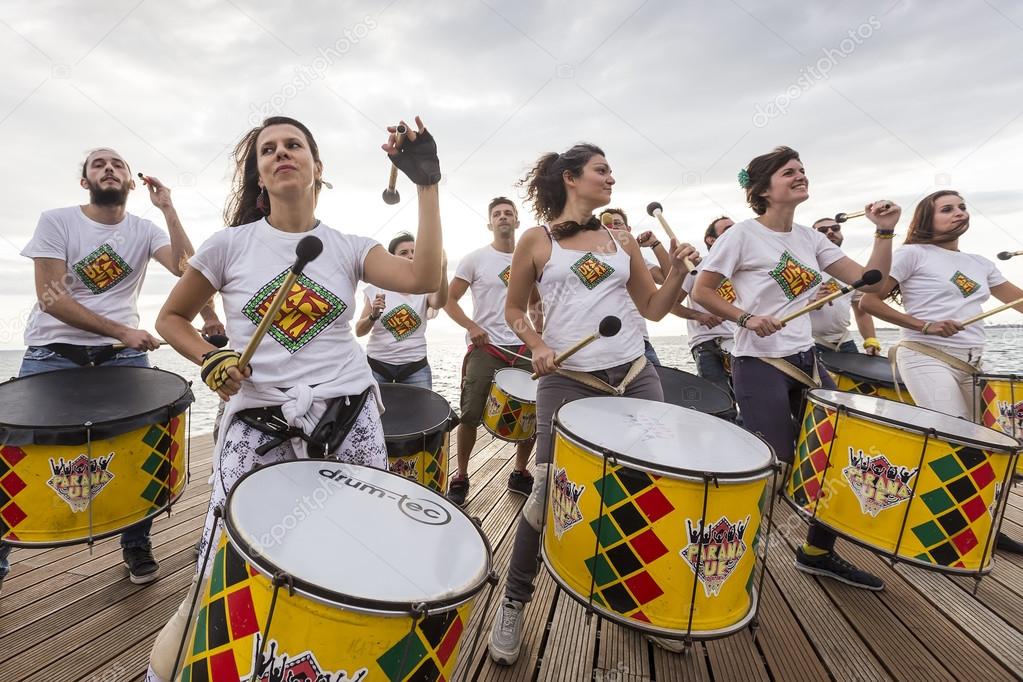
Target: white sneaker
[
  {"x": 675, "y": 646},
  {"x": 506, "y": 635}
]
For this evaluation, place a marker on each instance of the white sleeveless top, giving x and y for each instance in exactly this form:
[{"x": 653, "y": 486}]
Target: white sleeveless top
[{"x": 579, "y": 289}]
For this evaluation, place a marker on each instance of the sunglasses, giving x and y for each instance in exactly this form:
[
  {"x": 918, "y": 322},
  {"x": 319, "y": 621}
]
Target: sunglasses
[{"x": 824, "y": 229}]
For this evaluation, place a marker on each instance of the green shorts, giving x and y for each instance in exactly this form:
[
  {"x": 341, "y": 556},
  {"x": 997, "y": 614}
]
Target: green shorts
[{"x": 477, "y": 374}]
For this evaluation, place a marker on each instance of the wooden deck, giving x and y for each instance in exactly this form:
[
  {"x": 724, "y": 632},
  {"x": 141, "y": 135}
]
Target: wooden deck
[{"x": 71, "y": 614}]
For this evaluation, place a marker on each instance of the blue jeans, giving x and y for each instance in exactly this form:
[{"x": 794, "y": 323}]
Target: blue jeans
[
  {"x": 650, "y": 353},
  {"x": 38, "y": 360},
  {"x": 422, "y": 378},
  {"x": 847, "y": 346},
  {"x": 711, "y": 366}
]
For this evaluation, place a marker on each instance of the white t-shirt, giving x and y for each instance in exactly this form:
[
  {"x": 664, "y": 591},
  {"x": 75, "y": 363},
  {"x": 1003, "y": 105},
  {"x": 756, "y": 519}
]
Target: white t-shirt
[
  {"x": 939, "y": 284},
  {"x": 487, "y": 271},
  {"x": 774, "y": 273},
  {"x": 106, "y": 265},
  {"x": 311, "y": 341},
  {"x": 830, "y": 323},
  {"x": 399, "y": 336},
  {"x": 697, "y": 333}
]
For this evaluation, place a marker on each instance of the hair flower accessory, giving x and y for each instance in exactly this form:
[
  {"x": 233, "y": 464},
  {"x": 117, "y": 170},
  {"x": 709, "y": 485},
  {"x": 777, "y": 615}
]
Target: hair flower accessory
[{"x": 744, "y": 181}]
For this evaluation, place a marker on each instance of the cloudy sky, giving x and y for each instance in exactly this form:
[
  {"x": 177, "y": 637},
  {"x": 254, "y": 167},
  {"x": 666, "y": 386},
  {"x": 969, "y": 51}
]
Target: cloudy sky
[{"x": 882, "y": 99}]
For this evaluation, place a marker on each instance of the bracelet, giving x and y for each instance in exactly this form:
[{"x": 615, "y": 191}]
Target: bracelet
[
  {"x": 923, "y": 329},
  {"x": 374, "y": 318},
  {"x": 743, "y": 319},
  {"x": 884, "y": 234},
  {"x": 654, "y": 245}
]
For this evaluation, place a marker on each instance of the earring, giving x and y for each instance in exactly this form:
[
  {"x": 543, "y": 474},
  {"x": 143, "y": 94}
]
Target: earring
[{"x": 263, "y": 202}]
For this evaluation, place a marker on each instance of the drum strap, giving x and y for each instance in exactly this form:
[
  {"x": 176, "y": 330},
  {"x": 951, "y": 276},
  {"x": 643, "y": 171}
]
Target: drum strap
[
  {"x": 837, "y": 344},
  {"x": 588, "y": 379},
  {"x": 396, "y": 373},
  {"x": 83, "y": 356},
  {"x": 793, "y": 372},
  {"x": 929, "y": 351},
  {"x": 328, "y": 435}
]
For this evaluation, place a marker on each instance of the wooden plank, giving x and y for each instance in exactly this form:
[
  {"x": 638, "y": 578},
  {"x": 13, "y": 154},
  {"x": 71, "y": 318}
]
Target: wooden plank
[
  {"x": 568, "y": 653},
  {"x": 621, "y": 653},
  {"x": 788, "y": 653},
  {"x": 736, "y": 658}
]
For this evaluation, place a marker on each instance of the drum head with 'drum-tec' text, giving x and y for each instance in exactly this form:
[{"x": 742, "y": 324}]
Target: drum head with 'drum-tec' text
[
  {"x": 356, "y": 535},
  {"x": 665, "y": 437}
]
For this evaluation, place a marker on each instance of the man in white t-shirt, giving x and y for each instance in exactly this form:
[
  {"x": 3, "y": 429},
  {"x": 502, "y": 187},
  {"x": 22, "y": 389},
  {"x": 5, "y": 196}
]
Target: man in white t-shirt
[
  {"x": 830, "y": 324},
  {"x": 619, "y": 221},
  {"x": 492, "y": 344},
  {"x": 90, "y": 262}
]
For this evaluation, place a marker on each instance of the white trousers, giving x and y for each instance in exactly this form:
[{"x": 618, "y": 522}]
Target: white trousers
[{"x": 938, "y": 386}]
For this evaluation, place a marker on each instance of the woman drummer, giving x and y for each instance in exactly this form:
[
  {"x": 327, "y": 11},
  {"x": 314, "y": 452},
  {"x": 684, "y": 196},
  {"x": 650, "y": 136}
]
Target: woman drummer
[
  {"x": 396, "y": 324},
  {"x": 775, "y": 266},
  {"x": 310, "y": 364},
  {"x": 939, "y": 285},
  {"x": 584, "y": 272}
]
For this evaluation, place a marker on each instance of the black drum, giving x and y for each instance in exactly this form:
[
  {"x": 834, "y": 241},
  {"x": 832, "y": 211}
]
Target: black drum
[
  {"x": 866, "y": 374},
  {"x": 417, "y": 423},
  {"x": 688, "y": 390}
]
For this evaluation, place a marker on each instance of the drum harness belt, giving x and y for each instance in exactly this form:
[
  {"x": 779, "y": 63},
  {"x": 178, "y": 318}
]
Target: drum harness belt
[
  {"x": 593, "y": 382},
  {"x": 397, "y": 373},
  {"x": 930, "y": 351},
  {"x": 790, "y": 370},
  {"x": 327, "y": 436},
  {"x": 834, "y": 346},
  {"x": 83, "y": 356}
]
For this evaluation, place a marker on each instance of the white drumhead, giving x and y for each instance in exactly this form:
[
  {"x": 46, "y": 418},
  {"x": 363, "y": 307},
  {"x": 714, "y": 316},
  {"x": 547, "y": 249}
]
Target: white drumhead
[
  {"x": 916, "y": 418},
  {"x": 517, "y": 383},
  {"x": 358, "y": 531},
  {"x": 664, "y": 435}
]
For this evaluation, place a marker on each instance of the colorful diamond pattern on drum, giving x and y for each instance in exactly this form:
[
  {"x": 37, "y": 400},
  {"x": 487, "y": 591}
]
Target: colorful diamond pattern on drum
[
  {"x": 10, "y": 485},
  {"x": 591, "y": 271},
  {"x": 509, "y": 418},
  {"x": 1001, "y": 414},
  {"x": 956, "y": 502},
  {"x": 228, "y": 615},
  {"x": 421, "y": 655},
  {"x": 627, "y": 541},
  {"x": 161, "y": 463},
  {"x": 812, "y": 457}
]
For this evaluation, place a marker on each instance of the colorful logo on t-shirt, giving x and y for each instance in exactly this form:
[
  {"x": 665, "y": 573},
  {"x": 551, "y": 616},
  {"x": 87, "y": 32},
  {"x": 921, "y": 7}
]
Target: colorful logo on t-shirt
[
  {"x": 591, "y": 270},
  {"x": 505, "y": 275},
  {"x": 831, "y": 286},
  {"x": 402, "y": 322},
  {"x": 793, "y": 277},
  {"x": 964, "y": 284},
  {"x": 726, "y": 291},
  {"x": 308, "y": 309},
  {"x": 101, "y": 269}
]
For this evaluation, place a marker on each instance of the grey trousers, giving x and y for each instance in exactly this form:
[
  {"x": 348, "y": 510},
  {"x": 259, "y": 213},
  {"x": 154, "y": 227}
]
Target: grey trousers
[{"x": 552, "y": 392}]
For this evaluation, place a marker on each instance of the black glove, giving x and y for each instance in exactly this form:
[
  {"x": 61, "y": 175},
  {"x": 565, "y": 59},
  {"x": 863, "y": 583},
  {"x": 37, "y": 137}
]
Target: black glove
[{"x": 418, "y": 159}]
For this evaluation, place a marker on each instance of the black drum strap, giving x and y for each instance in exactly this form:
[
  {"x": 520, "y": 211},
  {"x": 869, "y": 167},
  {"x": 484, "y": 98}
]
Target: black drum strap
[
  {"x": 396, "y": 373},
  {"x": 337, "y": 420}
]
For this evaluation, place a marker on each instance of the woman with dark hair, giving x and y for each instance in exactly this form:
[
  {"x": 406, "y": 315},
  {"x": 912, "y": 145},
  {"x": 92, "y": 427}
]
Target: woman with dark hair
[
  {"x": 584, "y": 272},
  {"x": 308, "y": 388},
  {"x": 775, "y": 266},
  {"x": 939, "y": 285},
  {"x": 397, "y": 345}
]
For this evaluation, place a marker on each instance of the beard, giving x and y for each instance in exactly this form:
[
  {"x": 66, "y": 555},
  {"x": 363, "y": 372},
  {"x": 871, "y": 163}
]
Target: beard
[{"x": 108, "y": 197}]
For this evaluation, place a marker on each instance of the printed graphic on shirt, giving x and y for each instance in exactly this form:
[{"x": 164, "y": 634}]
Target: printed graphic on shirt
[
  {"x": 101, "y": 269},
  {"x": 964, "y": 284},
  {"x": 831, "y": 286},
  {"x": 591, "y": 270},
  {"x": 401, "y": 322},
  {"x": 793, "y": 277},
  {"x": 505, "y": 275},
  {"x": 726, "y": 291},
  {"x": 308, "y": 309}
]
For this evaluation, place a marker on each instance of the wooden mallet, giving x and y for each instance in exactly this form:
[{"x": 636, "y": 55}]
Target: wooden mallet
[
  {"x": 391, "y": 195},
  {"x": 1006, "y": 255},
  {"x": 869, "y": 278},
  {"x": 978, "y": 318},
  {"x": 307, "y": 250},
  {"x": 657, "y": 211},
  {"x": 842, "y": 217},
  {"x": 609, "y": 326}
]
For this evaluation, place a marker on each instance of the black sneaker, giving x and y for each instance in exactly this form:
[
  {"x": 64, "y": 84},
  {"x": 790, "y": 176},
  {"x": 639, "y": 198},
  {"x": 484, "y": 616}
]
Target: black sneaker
[
  {"x": 1007, "y": 544},
  {"x": 831, "y": 565},
  {"x": 142, "y": 567},
  {"x": 458, "y": 489},
  {"x": 520, "y": 482}
]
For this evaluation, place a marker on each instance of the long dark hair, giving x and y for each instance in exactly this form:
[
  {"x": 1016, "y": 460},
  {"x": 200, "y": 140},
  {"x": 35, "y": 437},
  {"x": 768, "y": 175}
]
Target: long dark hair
[
  {"x": 921, "y": 227},
  {"x": 241, "y": 203},
  {"x": 545, "y": 186}
]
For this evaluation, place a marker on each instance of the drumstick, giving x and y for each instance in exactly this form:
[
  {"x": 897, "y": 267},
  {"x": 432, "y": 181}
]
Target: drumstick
[
  {"x": 978, "y": 318},
  {"x": 218, "y": 340},
  {"x": 842, "y": 217},
  {"x": 307, "y": 250},
  {"x": 869, "y": 277},
  {"x": 656, "y": 210},
  {"x": 609, "y": 326},
  {"x": 391, "y": 195},
  {"x": 1006, "y": 255}
]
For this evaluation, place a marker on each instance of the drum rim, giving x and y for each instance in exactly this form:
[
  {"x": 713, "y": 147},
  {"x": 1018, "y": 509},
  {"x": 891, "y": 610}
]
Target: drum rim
[
  {"x": 322, "y": 595},
  {"x": 1008, "y": 450},
  {"x": 887, "y": 383},
  {"x": 79, "y": 434},
  {"x": 709, "y": 385},
  {"x": 996, "y": 376},
  {"x": 440, "y": 427},
  {"x": 671, "y": 472},
  {"x": 526, "y": 401}
]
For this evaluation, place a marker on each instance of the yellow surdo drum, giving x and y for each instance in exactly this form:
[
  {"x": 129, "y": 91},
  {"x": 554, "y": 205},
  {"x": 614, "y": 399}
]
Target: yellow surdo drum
[
  {"x": 89, "y": 452},
  {"x": 332, "y": 571},
  {"x": 654, "y": 515},
  {"x": 417, "y": 424},
  {"x": 866, "y": 374},
  {"x": 510, "y": 412},
  {"x": 999, "y": 398},
  {"x": 912, "y": 484}
]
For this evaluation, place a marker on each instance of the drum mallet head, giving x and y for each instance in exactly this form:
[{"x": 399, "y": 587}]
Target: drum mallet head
[
  {"x": 653, "y": 208},
  {"x": 870, "y": 277},
  {"x": 218, "y": 340},
  {"x": 391, "y": 197},
  {"x": 390, "y": 194},
  {"x": 610, "y": 325},
  {"x": 307, "y": 250},
  {"x": 1006, "y": 255}
]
